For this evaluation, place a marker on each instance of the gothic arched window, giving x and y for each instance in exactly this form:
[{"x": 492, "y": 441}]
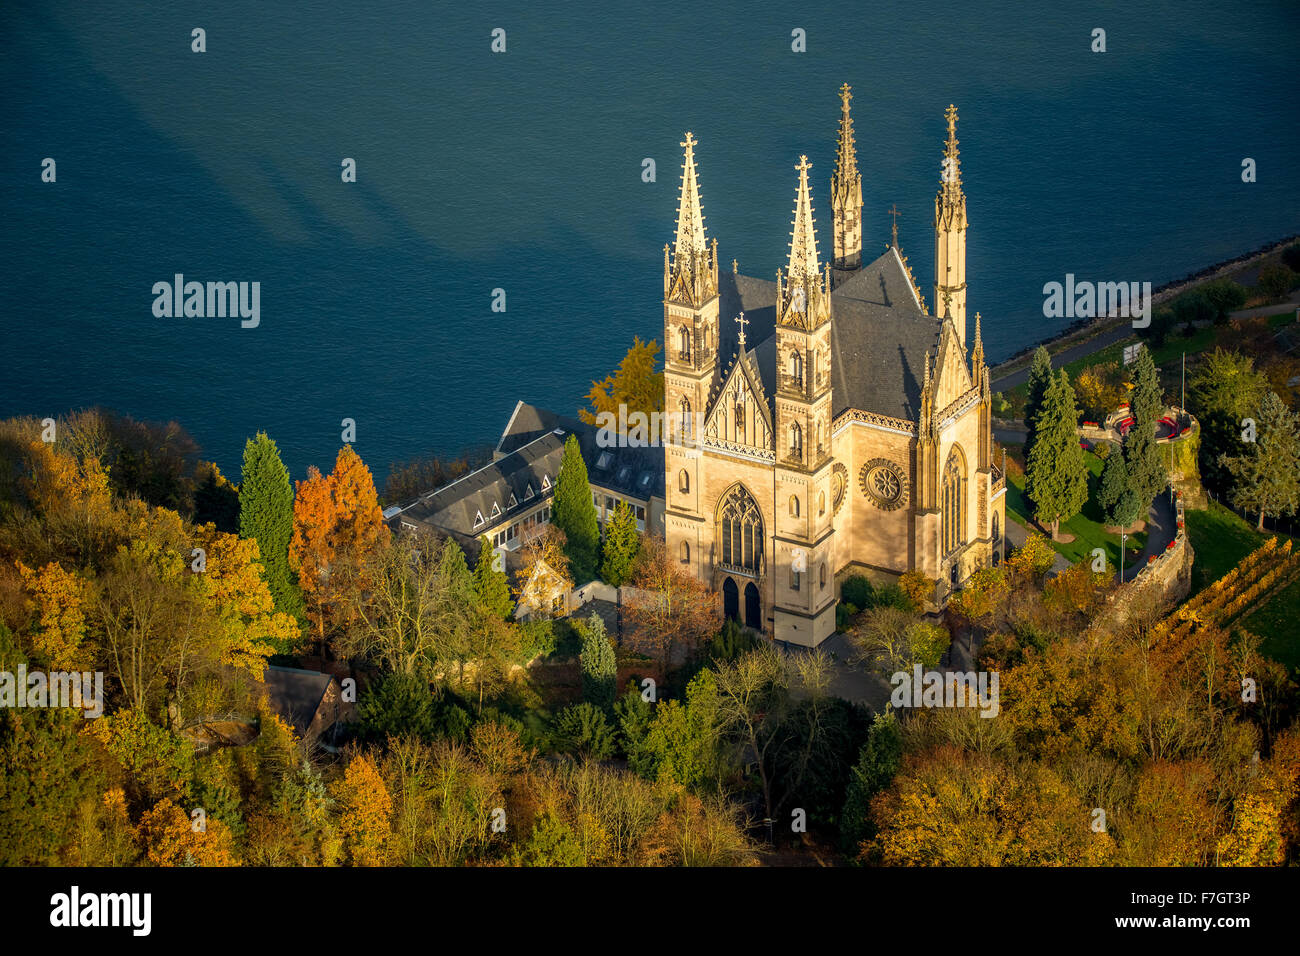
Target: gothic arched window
[
  {"x": 794, "y": 506},
  {"x": 684, "y": 408},
  {"x": 953, "y": 500},
  {"x": 796, "y": 369},
  {"x": 740, "y": 530},
  {"x": 821, "y": 503},
  {"x": 683, "y": 481},
  {"x": 796, "y": 441},
  {"x": 685, "y": 551},
  {"x": 685, "y": 340},
  {"x": 740, "y": 412}
]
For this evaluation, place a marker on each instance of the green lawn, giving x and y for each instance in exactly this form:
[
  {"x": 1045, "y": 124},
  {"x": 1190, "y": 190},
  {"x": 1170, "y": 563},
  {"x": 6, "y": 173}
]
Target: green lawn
[
  {"x": 1221, "y": 538},
  {"x": 1087, "y": 527}
]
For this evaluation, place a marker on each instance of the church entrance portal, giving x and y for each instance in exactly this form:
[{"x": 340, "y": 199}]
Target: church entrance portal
[
  {"x": 753, "y": 612},
  {"x": 730, "y": 599}
]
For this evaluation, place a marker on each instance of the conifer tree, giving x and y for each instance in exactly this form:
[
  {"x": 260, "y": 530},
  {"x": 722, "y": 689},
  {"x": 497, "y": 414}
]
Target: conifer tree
[
  {"x": 1119, "y": 503},
  {"x": 599, "y": 664},
  {"x": 1056, "y": 480},
  {"x": 491, "y": 584},
  {"x": 266, "y": 513},
  {"x": 1266, "y": 476},
  {"x": 621, "y": 547},
  {"x": 574, "y": 513},
  {"x": 1040, "y": 377},
  {"x": 1142, "y": 459}
]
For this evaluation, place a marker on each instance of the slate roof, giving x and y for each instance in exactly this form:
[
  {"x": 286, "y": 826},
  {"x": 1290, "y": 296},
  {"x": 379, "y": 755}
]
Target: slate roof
[
  {"x": 296, "y": 694},
  {"x": 455, "y": 507},
  {"x": 879, "y": 336},
  {"x": 630, "y": 472},
  {"x": 529, "y": 454}
]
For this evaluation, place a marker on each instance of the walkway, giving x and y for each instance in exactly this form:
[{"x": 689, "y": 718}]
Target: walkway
[{"x": 1162, "y": 527}]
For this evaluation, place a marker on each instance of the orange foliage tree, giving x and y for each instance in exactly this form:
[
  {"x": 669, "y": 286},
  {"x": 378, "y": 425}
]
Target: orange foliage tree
[{"x": 338, "y": 536}]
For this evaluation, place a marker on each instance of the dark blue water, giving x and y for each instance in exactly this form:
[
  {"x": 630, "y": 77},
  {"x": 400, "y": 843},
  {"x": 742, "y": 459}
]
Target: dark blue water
[{"x": 522, "y": 171}]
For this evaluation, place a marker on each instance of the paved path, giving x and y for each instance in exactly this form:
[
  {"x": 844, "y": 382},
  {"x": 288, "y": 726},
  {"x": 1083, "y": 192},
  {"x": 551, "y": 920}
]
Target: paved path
[
  {"x": 1162, "y": 526},
  {"x": 1273, "y": 309},
  {"x": 1110, "y": 337}
]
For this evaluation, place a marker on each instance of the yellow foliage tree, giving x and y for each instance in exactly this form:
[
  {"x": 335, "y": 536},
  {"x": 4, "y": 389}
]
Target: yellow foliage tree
[{"x": 366, "y": 811}]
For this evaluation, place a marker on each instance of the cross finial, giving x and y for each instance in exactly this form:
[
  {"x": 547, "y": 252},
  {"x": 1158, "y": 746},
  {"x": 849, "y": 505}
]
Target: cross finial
[
  {"x": 691, "y": 141},
  {"x": 846, "y": 95},
  {"x": 804, "y": 165},
  {"x": 735, "y": 267},
  {"x": 742, "y": 322},
  {"x": 893, "y": 211}
]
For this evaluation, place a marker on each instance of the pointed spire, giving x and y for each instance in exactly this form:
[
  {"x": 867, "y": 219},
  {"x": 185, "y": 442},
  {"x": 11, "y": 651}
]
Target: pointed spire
[
  {"x": 846, "y": 158},
  {"x": 803, "y": 242},
  {"x": 690, "y": 218},
  {"x": 951, "y": 175}
]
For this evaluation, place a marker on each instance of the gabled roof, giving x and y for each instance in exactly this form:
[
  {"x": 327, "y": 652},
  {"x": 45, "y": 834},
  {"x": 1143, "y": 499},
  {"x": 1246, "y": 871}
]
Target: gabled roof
[
  {"x": 880, "y": 335},
  {"x": 295, "y": 694}
]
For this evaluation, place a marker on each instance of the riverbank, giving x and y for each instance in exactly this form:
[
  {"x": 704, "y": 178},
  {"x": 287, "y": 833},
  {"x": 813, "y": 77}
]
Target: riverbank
[{"x": 1105, "y": 330}]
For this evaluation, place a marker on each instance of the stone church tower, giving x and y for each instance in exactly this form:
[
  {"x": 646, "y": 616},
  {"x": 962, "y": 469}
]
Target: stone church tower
[{"x": 854, "y": 438}]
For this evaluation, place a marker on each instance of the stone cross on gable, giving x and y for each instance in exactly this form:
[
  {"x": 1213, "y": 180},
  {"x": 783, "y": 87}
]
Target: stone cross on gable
[
  {"x": 893, "y": 211},
  {"x": 742, "y": 322}
]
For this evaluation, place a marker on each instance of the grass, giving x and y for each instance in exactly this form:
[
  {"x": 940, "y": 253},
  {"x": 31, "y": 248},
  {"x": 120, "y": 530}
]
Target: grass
[
  {"x": 1221, "y": 538},
  {"x": 1087, "y": 527}
]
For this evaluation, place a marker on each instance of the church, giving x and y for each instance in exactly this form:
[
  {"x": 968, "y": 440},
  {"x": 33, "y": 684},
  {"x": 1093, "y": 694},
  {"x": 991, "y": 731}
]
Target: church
[{"x": 830, "y": 423}]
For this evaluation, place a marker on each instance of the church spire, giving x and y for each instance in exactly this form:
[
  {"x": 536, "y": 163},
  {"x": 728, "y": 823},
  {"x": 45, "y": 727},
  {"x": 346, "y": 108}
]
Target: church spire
[
  {"x": 690, "y": 217},
  {"x": 803, "y": 241},
  {"x": 846, "y": 192},
  {"x": 692, "y": 275},
  {"x": 803, "y": 293},
  {"x": 950, "y": 236}
]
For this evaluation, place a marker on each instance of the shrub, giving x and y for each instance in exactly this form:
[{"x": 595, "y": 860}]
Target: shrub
[
  {"x": 583, "y": 729},
  {"x": 857, "y": 590}
]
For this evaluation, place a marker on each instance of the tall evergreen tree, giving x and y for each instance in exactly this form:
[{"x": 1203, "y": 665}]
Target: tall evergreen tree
[
  {"x": 621, "y": 547},
  {"x": 266, "y": 513},
  {"x": 574, "y": 513},
  {"x": 879, "y": 760},
  {"x": 599, "y": 663},
  {"x": 1119, "y": 503},
  {"x": 1040, "y": 377},
  {"x": 1056, "y": 480},
  {"x": 1266, "y": 476},
  {"x": 491, "y": 583},
  {"x": 1142, "y": 458}
]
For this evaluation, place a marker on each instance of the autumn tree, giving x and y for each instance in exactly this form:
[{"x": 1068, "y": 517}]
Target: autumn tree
[
  {"x": 636, "y": 385},
  {"x": 365, "y": 812},
  {"x": 1056, "y": 480},
  {"x": 674, "y": 609},
  {"x": 170, "y": 838},
  {"x": 266, "y": 515},
  {"x": 338, "y": 536},
  {"x": 574, "y": 513},
  {"x": 895, "y": 639}
]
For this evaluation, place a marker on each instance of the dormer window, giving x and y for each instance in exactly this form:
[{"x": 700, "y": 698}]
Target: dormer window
[
  {"x": 478, "y": 519},
  {"x": 605, "y": 460}
]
